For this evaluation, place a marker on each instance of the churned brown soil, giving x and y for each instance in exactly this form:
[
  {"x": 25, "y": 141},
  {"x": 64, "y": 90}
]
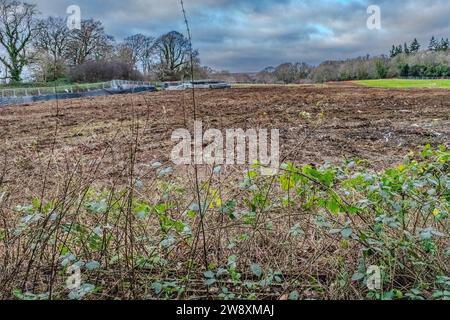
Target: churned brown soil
[{"x": 47, "y": 141}]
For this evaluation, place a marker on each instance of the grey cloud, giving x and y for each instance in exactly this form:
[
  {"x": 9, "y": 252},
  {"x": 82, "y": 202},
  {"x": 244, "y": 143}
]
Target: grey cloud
[{"x": 247, "y": 35}]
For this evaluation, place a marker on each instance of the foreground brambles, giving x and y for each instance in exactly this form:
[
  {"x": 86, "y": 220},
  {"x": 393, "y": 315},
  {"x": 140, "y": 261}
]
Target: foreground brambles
[{"x": 311, "y": 232}]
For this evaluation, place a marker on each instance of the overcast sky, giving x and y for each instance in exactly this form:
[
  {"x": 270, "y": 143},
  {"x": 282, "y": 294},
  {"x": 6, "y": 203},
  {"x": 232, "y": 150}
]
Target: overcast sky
[{"x": 248, "y": 35}]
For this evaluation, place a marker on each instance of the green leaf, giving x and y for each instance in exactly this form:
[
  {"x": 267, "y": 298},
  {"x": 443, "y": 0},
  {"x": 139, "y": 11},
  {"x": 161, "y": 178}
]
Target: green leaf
[
  {"x": 428, "y": 233},
  {"x": 447, "y": 251},
  {"x": 294, "y": 296},
  {"x": 426, "y": 151},
  {"x": 139, "y": 184},
  {"x": 347, "y": 232},
  {"x": 265, "y": 282},
  {"x": 78, "y": 294},
  {"x": 277, "y": 276},
  {"x": 92, "y": 265},
  {"x": 156, "y": 165},
  {"x": 358, "y": 276},
  {"x": 221, "y": 272},
  {"x": 252, "y": 174},
  {"x": 194, "y": 207},
  {"x": 333, "y": 206},
  {"x": 296, "y": 231},
  {"x": 256, "y": 270},
  {"x": 36, "y": 203},
  {"x": 191, "y": 214},
  {"x": 165, "y": 172},
  {"x": 67, "y": 259},
  {"x": 97, "y": 207},
  {"x": 28, "y": 296},
  {"x": 158, "y": 287},
  {"x": 169, "y": 241},
  {"x": 232, "y": 262},
  {"x": 210, "y": 282}
]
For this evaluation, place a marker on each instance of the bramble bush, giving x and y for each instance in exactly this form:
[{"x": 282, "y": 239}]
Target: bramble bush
[{"x": 309, "y": 232}]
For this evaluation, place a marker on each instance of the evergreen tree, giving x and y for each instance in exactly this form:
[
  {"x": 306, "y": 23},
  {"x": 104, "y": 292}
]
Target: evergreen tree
[
  {"x": 444, "y": 45},
  {"x": 381, "y": 68},
  {"x": 404, "y": 70},
  {"x": 415, "y": 46},
  {"x": 434, "y": 45},
  {"x": 406, "y": 48},
  {"x": 393, "y": 51}
]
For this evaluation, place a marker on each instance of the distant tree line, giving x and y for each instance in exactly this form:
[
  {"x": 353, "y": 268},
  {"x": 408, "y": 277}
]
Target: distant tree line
[
  {"x": 406, "y": 60},
  {"x": 285, "y": 73}
]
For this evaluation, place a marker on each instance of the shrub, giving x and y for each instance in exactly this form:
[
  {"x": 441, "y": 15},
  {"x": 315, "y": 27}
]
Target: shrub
[
  {"x": 95, "y": 71},
  {"x": 309, "y": 232}
]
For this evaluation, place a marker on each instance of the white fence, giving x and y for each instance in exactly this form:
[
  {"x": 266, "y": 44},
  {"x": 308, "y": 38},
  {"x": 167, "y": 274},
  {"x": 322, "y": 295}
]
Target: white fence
[
  {"x": 29, "y": 92},
  {"x": 117, "y": 83}
]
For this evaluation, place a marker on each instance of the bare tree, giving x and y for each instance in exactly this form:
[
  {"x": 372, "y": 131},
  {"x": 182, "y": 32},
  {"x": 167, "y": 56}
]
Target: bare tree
[
  {"x": 266, "y": 76},
  {"x": 53, "y": 37},
  {"x": 126, "y": 55},
  {"x": 17, "y": 28},
  {"x": 50, "y": 46},
  {"x": 143, "y": 48},
  {"x": 289, "y": 72},
  {"x": 173, "y": 51},
  {"x": 285, "y": 73},
  {"x": 90, "y": 42}
]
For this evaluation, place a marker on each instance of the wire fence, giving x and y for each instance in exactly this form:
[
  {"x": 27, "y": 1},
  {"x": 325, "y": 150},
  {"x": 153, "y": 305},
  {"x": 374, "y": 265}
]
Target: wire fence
[{"x": 75, "y": 88}]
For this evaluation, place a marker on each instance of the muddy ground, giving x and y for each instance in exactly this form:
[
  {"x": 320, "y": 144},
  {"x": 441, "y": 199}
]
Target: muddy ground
[{"x": 49, "y": 141}]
